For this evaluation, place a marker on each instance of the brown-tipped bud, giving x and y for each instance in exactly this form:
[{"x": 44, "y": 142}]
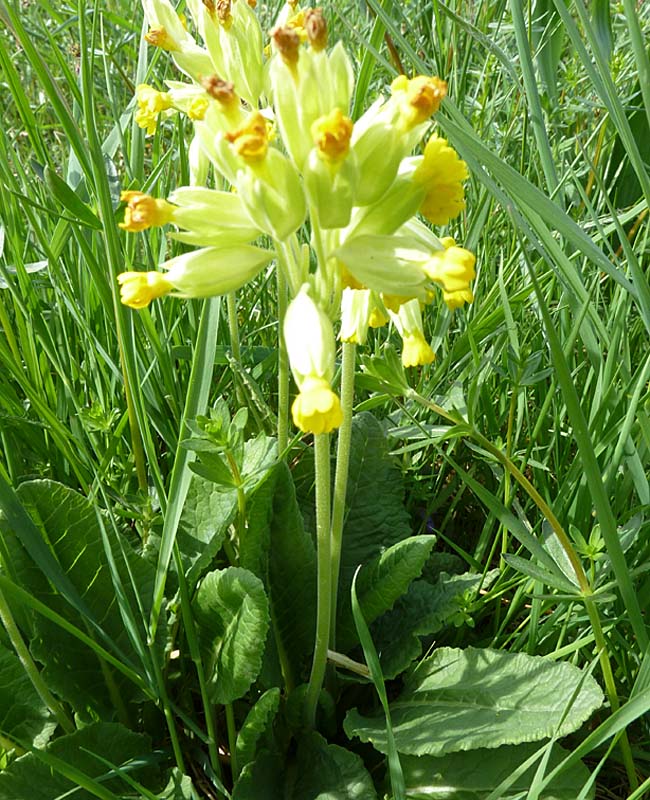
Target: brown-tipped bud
[
  {"x": 287, "y": 43},
  {"x": 224, "y": 12},
  {"x": 210, "y": 6},
  {"x": 316, "y": 27},
  {"x": 220, "y": 90},
  {"x": 252, "y": 3}
]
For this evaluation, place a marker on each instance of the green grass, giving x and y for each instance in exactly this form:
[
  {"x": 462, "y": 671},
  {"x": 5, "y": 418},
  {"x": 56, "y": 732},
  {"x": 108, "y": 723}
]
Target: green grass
[{"x": 550, "y": 362}]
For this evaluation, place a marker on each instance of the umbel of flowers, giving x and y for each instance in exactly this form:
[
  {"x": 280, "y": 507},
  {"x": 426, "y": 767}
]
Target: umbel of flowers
[{"x": 273, "y": 122}]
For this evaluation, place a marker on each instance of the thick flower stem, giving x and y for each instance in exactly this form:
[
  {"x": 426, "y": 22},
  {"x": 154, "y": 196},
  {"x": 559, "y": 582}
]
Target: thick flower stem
[
  {"x": 283, "y": 367},
  {"x": 341, "y": 477},
  {"x": 233, "y": 327},
  {"x": 322, "y": 470}
]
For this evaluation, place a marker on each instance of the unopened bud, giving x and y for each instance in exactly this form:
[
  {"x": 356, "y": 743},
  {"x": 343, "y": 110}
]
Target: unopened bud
[
  {"x": 221, "y": 91},
  {"x": 287, "y": 43},
  {"x": 224, "y": 12},
  {"x": 316, "y": 27}
]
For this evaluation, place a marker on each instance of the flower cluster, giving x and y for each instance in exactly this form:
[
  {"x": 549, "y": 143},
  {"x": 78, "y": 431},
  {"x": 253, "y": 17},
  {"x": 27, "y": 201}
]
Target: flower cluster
[{"x": 278, "y": 131}]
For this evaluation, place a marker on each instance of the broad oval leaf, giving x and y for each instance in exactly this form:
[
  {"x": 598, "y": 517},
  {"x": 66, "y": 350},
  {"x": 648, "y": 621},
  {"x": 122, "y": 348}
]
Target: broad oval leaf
[
  {"x": 83, "y": 755},
  {"x": 464, "y": 699},
  {"x": 232, "y": 615},
  {"x": 318, "y": 771},
  {"x": 475, "y": 775},
  {"x": 384, "y": 580},
  {"x": 24, "y": 717},
  {"x": 255, "y": 725}
]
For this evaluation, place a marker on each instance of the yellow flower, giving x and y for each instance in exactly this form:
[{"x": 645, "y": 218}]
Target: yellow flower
[
  {"x": 138, "y": 289},
  {"x": 416, "y": 350},
  {"x": 157, "y": 36},
  {"x": 317, "y": 409},
  {"x": 453, "y": 269},
  {"x": 418, "y": 98},
  {"x": 150, "y": 104},
  {"x": 197, "y": 108},
  {"x": 311, "y": 348},
  {"x": 200, "y": 273},
  {"x": 441, "y": 174},
  {"x": 143, "y": 211},
  {"x": 251, "y": 140},
  {"x": 331, "y": 134}
]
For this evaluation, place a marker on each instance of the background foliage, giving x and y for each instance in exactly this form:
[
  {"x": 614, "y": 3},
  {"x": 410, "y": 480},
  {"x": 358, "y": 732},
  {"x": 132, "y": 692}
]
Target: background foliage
[{"x": 548, "y": 105}]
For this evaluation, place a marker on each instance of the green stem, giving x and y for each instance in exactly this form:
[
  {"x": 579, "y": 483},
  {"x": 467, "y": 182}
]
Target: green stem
[
  {"x": 283, "y": 367},
  {"x": 233, "y": 327},
  {"x": 323, "y": 489},
  {"x": 341, "y": 477},
  {"x": 232, "y": 741},
  {"x": 167, "y": 711},
  {"x": 30, "y": 667},
  {"x": 581, "y": 577}
]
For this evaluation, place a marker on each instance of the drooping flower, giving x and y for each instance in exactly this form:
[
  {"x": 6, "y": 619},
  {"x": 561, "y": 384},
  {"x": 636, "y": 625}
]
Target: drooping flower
[
  {"x": 150, "y": 104},
  {"x": 453, "y": 269},
  {"x": 310, "y": 344},
  {"x": 202, "y": 273},
  {"x": 417, "y": 98},
  {"x": 416, "y": 351},
  {"x": 441, "y": 175},
  {"x": 143, "y": 211}
]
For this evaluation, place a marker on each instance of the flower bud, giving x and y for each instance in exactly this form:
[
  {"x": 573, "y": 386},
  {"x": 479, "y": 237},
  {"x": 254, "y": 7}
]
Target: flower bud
[
  {"x": 392, "y": 265},
  {"x": 167, "y": 30},
  {"x": 210, "y": 217},
  {"x": 273, "y": 195},
  {"x": 356, "y": 308}
]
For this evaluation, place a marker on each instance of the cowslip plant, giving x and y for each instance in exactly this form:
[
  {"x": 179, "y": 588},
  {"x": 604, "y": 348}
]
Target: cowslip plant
[
  {"x": 281, "y": 178},
  {"x": 299, "y": 168}
]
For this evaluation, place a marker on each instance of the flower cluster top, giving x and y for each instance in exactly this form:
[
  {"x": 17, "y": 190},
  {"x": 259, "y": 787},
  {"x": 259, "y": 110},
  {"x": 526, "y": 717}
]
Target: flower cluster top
[{"x": 276, "y": 133}]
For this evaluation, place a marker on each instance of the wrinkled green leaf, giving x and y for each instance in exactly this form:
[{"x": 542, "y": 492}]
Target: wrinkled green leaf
[
  {"x": 232, "y": 616},
  {"x": 30, "y": 777},
  {"x": 423, "y": 611},
  {"x": 375, "y": 515},
  {"x": 474, "y": 775},
  {"x": 257, "y": 721},
  {"x": 24, "y": 717},
  {"x": 383, "y": 581},
  {"x": 459, "y": 700},
  {"x": 69, "y": 527},
  {"x": 204, "y": 522},
  {"x": 277, "y": 549},
  {"x": 320, "y": 771}
]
